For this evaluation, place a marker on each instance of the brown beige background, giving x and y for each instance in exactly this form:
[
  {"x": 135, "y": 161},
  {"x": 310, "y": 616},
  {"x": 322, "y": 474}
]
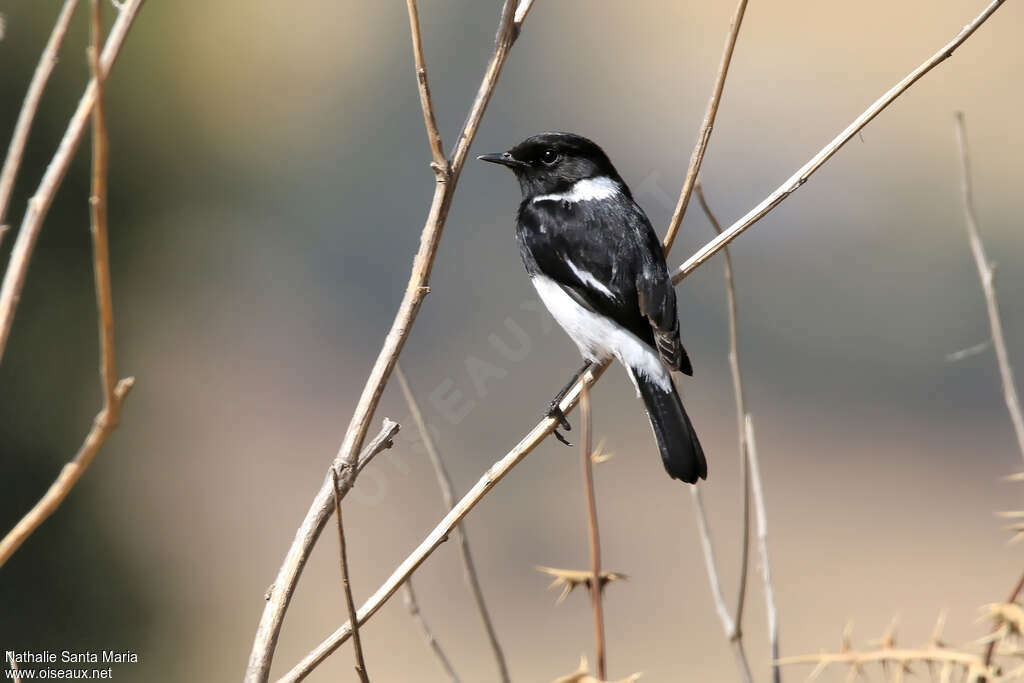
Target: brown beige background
[{"x": 269, "y": 184}]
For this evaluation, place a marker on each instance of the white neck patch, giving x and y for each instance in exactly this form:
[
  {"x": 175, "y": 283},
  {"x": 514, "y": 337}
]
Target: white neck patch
[{"x": 584, "y": 190}]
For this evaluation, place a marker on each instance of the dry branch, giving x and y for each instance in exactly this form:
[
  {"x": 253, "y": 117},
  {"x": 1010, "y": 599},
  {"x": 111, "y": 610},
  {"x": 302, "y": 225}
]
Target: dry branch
[
  {"x": 258, "y": 670},
  {"x": 16, "y": 150},
  {"x": 547, "y": 425},
  {"x": 987, "y": 274},
  {"x": 39, "y": 204},
  {"x": 114, "y": 391},
  {"x": 762, "y": 545},
  {"x": 413, "y": 606},
  {"x": 316, "y": 518},
  {"x": 346, "y": 585},
  {"x": 706, "y": 126},
  {"x": 444, "y": 482},
  {"x": 800, "y": 177},
  {"x": 593, "y": 535}
]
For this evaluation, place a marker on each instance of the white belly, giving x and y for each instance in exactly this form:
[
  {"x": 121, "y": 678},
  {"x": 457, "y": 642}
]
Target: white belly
[{"x": 599, "y": 337}]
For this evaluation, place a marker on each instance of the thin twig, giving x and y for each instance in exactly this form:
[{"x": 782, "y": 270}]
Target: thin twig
[
  {"x": 440, "y": 163},
  {"x": 706, "y": 126},
  {"x": 762, "y": 545},
  {"x": 729, "y": 626},
  {"x": 413, "y": 606},
  {"x": 593, "y": 535},
  {"x": 444, "y": 482},
  {"x": 39, "y": 204},
  {"x": 16, "y": 150},
  {"x": 741, "y": 408},
  {"x": 345, "y": 583},
  {"x": 974, "y": 350},
  {"x": 265, "y": 642},
  {"x": 800, "y": 177},
  {"x": 546, "y": 426},
  {"x": 987, "y": 274},
  {"x": 316, "y": 518},
  {"x": 114, "y": 391}
]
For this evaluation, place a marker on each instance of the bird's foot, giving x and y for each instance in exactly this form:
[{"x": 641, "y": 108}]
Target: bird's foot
[{"x": 555, "y": 412}]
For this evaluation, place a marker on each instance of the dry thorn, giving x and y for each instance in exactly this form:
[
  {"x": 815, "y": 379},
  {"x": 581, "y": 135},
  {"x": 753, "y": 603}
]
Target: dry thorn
[
  {"x": 444, "y": 482},
  {"x": 569, "y": 579},
  {"x": 582, "y": 675}
]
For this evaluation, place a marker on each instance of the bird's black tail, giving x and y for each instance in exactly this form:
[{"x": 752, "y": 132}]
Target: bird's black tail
[{"x": 680, "y": 450}]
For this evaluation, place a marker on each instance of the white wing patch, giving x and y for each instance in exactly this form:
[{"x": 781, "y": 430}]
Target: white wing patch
[
  {"x": 584, "y": 190},
  {"x": 599, "y": 337},
  {"x": 589, "y": 278}
]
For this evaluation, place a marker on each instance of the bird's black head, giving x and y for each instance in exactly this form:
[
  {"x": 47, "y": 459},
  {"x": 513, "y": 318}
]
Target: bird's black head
[{"x": 554, "y": 162}]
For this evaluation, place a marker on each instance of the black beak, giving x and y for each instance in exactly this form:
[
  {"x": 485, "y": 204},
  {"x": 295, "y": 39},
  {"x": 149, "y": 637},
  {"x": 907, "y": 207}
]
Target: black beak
[{"x": 504, "y": 158}]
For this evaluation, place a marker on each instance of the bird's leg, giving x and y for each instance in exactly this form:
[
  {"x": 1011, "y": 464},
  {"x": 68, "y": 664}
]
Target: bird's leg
[{"x": 555, "y": 411}]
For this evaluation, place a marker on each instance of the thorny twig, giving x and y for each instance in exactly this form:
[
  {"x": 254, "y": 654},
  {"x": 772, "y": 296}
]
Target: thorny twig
[{"x": 593, "y": 535}]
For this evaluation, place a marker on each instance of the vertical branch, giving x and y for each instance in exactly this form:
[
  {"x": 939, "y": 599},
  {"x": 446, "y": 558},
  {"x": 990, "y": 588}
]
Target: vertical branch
[
  {"x": 704, "y": 136},
  {"x": 729, "y": 626},
  {"x": 440, "y": 162},
  {"x": 741, "y": 406},
  {"x": 265, "y": 640},
  {"x": 15, "y": 672},
  {"x": 592, "y": 532},
  {"x": 16, "y": 150},
  {"x": 762, "y": 544},
  {"x": 39, "y": 204},
  {"x": 444, "y": 482},
  {"x": 114, "y": 391},
  {"x": 349, "y": 603},
  {"x": 413, "y": 606},
  {"x": 987, "y": 274}
]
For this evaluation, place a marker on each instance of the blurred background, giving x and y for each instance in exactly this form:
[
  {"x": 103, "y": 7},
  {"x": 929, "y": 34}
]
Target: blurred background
[{"x": 269, "y": 182}]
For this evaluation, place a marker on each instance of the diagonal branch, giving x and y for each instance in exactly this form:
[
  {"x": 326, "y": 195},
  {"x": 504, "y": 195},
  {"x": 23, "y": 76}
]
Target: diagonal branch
[
  {"x": 444, "y": 482},
  {"x": 704, "y": 136},
  {"x": 39, "y": 204},
  {"x": 440, "y": 163},
  {"x": 818, "y": 160},
  {"x": 413, "y": 606},
  {"x": 546, "y": 426},
  {"x": 16, "y": 150},
  {"x": 987, "y": 274},
  {"x": 114, "y": 391}
]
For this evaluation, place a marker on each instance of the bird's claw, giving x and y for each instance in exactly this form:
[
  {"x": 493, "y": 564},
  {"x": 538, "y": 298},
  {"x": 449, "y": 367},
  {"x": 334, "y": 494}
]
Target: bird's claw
[{"x": 555, "y": 413}]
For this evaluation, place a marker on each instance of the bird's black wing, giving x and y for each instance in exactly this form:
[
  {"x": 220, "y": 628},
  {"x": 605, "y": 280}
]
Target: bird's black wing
[{"x": 606, "y": 255}]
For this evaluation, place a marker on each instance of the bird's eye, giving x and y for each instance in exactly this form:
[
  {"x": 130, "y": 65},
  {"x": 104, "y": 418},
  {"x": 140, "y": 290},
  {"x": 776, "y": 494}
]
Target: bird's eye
[{"x": 549, "y": 156}]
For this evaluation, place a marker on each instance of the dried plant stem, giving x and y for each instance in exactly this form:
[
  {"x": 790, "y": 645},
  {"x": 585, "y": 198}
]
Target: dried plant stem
[
  {"x": 546, "y": 426},
  {"x": 346, "y": 584},
  {"x": 706, "y": 126},
  {"x": 15, "y": 671},
  {"x": 593, "y": 535},
  {"x": 987, "y": 274},
  {"x": 16, "y": 150},
  {"x": 762, "y": 545},
  {"x": 39, "y": 204},
  {"x": 114, "y": 391},
  {"x": 751, "y": 472},
  {"x": 440, "y": 162},
  {"x": 444, "y": 482},
  {"x": 730, "y": 626},
  {"x": 413, "y": 606},
  {"x": 312, "y": 525},
  {"x": 261, "y": 657},
  {"x": 800, "y": 177}
]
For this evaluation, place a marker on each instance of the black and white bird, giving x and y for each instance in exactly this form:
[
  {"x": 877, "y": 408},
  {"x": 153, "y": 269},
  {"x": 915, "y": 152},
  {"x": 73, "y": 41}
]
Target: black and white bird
[{"x": 600, "y": 270}]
